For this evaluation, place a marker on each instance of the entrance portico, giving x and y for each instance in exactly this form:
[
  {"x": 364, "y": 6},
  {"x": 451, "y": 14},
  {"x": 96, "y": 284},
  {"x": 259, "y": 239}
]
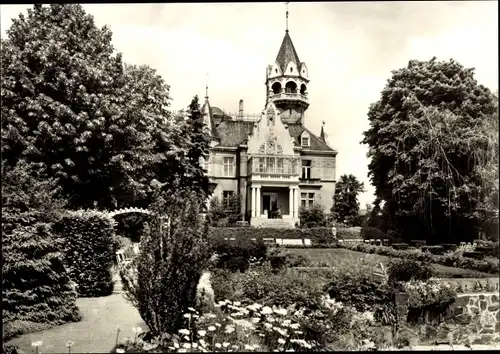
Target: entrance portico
[{"x": 273, "y": 202}]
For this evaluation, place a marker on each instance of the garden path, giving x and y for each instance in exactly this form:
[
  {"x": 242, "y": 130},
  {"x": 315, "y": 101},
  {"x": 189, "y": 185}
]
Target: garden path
[{"x": 96, "y": 333}]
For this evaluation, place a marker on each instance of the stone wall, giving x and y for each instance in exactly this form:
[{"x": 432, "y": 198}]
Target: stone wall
[{"x": 475, "y": 318}]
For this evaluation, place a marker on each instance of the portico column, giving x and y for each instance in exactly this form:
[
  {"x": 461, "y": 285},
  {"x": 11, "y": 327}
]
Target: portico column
[
  {"x": 254, "y": 207},
  {"x": 259, "y": 212},
  {"x": 290, "y": 202},
  {"x": 296, "y": 202}
]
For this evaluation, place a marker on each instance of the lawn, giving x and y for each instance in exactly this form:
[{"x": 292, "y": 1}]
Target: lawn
[
  {"x": 331, "y": 257},
  {"x": 96, "y": 333}
]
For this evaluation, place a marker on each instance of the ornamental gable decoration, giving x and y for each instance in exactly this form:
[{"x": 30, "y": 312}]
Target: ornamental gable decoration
[{"x": 270, "y": 136}]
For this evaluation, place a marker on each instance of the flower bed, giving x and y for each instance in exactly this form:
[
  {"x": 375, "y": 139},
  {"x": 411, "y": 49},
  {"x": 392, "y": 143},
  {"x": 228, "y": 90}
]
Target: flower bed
[{"x": 448, "y": 259}]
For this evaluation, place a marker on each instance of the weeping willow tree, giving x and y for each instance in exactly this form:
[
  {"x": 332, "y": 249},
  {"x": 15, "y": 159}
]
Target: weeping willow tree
[{"x": 432, "y": 151}]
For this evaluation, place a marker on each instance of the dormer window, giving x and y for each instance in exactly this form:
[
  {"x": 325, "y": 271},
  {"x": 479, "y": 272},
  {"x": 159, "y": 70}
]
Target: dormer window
[{"x": 305, "y": 141}]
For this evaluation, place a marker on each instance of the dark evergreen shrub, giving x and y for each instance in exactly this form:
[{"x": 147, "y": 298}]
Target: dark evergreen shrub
[
  {"x": 36, "y": 288},
  {"x": 90, "y": 250},
  {"x": 402, "y": 270}
]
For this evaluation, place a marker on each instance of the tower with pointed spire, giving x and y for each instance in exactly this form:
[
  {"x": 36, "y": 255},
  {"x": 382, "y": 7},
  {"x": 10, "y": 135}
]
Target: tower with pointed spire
[{"x": 286, "y": 82}]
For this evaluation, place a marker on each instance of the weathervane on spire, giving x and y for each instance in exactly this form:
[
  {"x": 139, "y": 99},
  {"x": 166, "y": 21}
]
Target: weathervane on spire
[{"x": 286, "y": 16}]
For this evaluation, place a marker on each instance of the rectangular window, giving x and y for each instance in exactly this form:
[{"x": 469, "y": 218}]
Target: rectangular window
[
  {"x": 270, "y": 164},
  {"x": 228, "y": 166},
  {"x": 305, "y": 141},
  {"x": 279, "y": 165},
  {"x": 262, "y": 164},
  {"x": 226, "y": 198},
  {"x": 307, "y": 199},
  {"x": 306, "y": 169}
]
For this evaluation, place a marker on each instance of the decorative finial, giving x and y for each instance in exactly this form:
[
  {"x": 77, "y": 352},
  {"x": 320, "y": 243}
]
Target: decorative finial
[
  {"x": 206, "y": 89},
  {"x": 286, "y": 17}
]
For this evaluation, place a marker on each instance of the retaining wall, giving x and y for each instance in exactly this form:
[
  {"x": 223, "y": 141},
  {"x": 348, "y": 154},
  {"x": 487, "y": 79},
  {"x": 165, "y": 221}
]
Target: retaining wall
[{"x": 476, "y": 317}]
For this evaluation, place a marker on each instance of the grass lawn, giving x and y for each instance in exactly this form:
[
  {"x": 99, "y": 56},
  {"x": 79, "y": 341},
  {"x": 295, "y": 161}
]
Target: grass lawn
[
  {"x": 96, "y": 333},
  {"x": 331, "y": 257}
]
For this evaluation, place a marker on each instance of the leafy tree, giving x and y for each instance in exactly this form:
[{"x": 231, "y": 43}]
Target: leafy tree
[
  {"x": 36, "y": 288},
  {"x": 101, "y": 128},
  {"x": 224, "y": 212},
  {"x": 427, "y": 144},
  {"x": 345, "y": 201}
]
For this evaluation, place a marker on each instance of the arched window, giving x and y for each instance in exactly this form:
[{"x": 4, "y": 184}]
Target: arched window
[
  {"x": 276, "y": 87},
  {"x": 291, "y": 87},
  {"x": 303, "y": 89}
]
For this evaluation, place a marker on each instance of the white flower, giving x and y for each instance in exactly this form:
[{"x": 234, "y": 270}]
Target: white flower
[
  {"x": 235, "y": 347},
  {"x": 248, "y": 347},
  {"x": 186, "y": 345},
  {"x": 218, "y": 345},
  {"x": 225, "y": 344},
  {"x": 211, "y": 328},
  {"x": 187, "y": 315},
  {"x": 295, "y": 325},
  {"x": 137, "y": 329},
  {"x": 37, "y": 343},
  {"x": 184, "y": 331},
  {"x": 186, "y": 337},
  {"x": 195, "y": 345},
  {"x": 69, "y": 343},
  {"x": 255, "y": 319},
  {"x": 281, "y": 341},
  {"x": 148, "y": 346},
  {"x": 236, "y": 314},
  {"x": 176, "y": 345},
  {"x": 218, "y": 324},
  {"x": 181, "y": 350},
  {"x": 268, "y": 325},
  {"x": 191, "y": 309},
  {"x": 202, "y": 333},
  {"x": 266, "y": 310},
  {"x": 236, "y": 303},
  {"x": 120, "y": 350},
  {"x": 211, "y": 315},
  {"x": 229, "y": 329},
  {"x": 282, "y": 312}
]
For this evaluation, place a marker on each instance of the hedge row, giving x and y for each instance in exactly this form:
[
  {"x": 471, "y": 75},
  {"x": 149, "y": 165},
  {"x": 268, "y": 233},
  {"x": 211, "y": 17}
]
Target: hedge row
[
  {"x": 448, "y": 259},
  {"x": 89, "y": 250},
  {"x": 317, "y": 235}
]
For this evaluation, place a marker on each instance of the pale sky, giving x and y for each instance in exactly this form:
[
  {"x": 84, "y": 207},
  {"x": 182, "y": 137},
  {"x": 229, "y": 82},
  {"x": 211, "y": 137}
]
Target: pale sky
[{"x": 349, "y": 48}]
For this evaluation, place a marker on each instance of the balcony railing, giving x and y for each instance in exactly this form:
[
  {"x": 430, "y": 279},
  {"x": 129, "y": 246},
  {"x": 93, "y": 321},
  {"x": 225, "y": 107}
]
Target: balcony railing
[
  {"x": 309, "y": 181},
  {"x": 290, "y": 96},
  {"x": 276, "y": 167}
]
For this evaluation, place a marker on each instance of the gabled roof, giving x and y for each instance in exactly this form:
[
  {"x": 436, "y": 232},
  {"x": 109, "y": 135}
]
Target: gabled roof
[
  {"x": 287, "y": 53},
  {"x": 234, "y": 133}
]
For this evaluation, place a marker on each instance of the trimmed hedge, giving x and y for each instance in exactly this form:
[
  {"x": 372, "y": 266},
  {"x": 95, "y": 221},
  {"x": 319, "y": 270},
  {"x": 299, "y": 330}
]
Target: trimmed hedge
[
  {"x": 448, "y": 259},
  {"x": 317, "y": 235},
  {"x": 90, "y": 250},
  {"x": 347, "y": 233},
  {"x": 368, "y": 233},
  {"x": 433, "y": 249},
  {"x": 236, "y": 255}
]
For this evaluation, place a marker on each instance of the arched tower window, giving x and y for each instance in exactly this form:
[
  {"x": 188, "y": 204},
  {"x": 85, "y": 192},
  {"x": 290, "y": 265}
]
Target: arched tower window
[
  {"x": 291, "y": 87},
  {"x": 276, "y": 87},
  {"x": 303, "y": 89}
]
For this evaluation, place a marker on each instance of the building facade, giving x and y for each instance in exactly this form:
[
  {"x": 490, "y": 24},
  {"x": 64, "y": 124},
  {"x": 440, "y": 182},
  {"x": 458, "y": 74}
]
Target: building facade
[{"x": 272, "y": 161}]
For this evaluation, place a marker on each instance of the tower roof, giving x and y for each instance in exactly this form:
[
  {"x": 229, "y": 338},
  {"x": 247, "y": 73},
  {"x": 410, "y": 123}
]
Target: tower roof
[{"x": 287, "y": 53}]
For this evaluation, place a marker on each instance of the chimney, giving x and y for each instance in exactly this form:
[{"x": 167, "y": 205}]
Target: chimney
[{"x": 240, "y": 112}]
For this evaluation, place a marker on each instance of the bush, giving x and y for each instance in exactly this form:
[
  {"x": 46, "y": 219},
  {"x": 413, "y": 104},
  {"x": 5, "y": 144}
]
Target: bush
[
  {"x": 90, "y": 250},
  {"x": 36, "y": 288},
  {"x": 19, "y": 327},
  {"x": 284, "y": 288},
  {"x": 312, "y": 216},
  {"x": 161, "y": 282},
  {"x": 403, "y": 270},
  {"x": 279, "y": 259},
  {"x": 418, "y": 243},
  {"x": 474, "y": 255},
  {"x": 224, "y": 213},
  {"x": 400, "y": 246},
  {"x": 235, "y": 255},
  {"x": 369, "y": 233},
  {"x": 354, "y": 284},
  {"x": 448, "y": 259},
  {"x": 433, "y": 249},
  {"x": 348, "y": 233},
  {"x": 449, "y": 247},
  {"x": 317, "y": 235}
]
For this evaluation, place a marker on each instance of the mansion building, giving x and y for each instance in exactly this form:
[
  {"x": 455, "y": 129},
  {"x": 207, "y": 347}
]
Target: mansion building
[{"x": 272, "y": 161}]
